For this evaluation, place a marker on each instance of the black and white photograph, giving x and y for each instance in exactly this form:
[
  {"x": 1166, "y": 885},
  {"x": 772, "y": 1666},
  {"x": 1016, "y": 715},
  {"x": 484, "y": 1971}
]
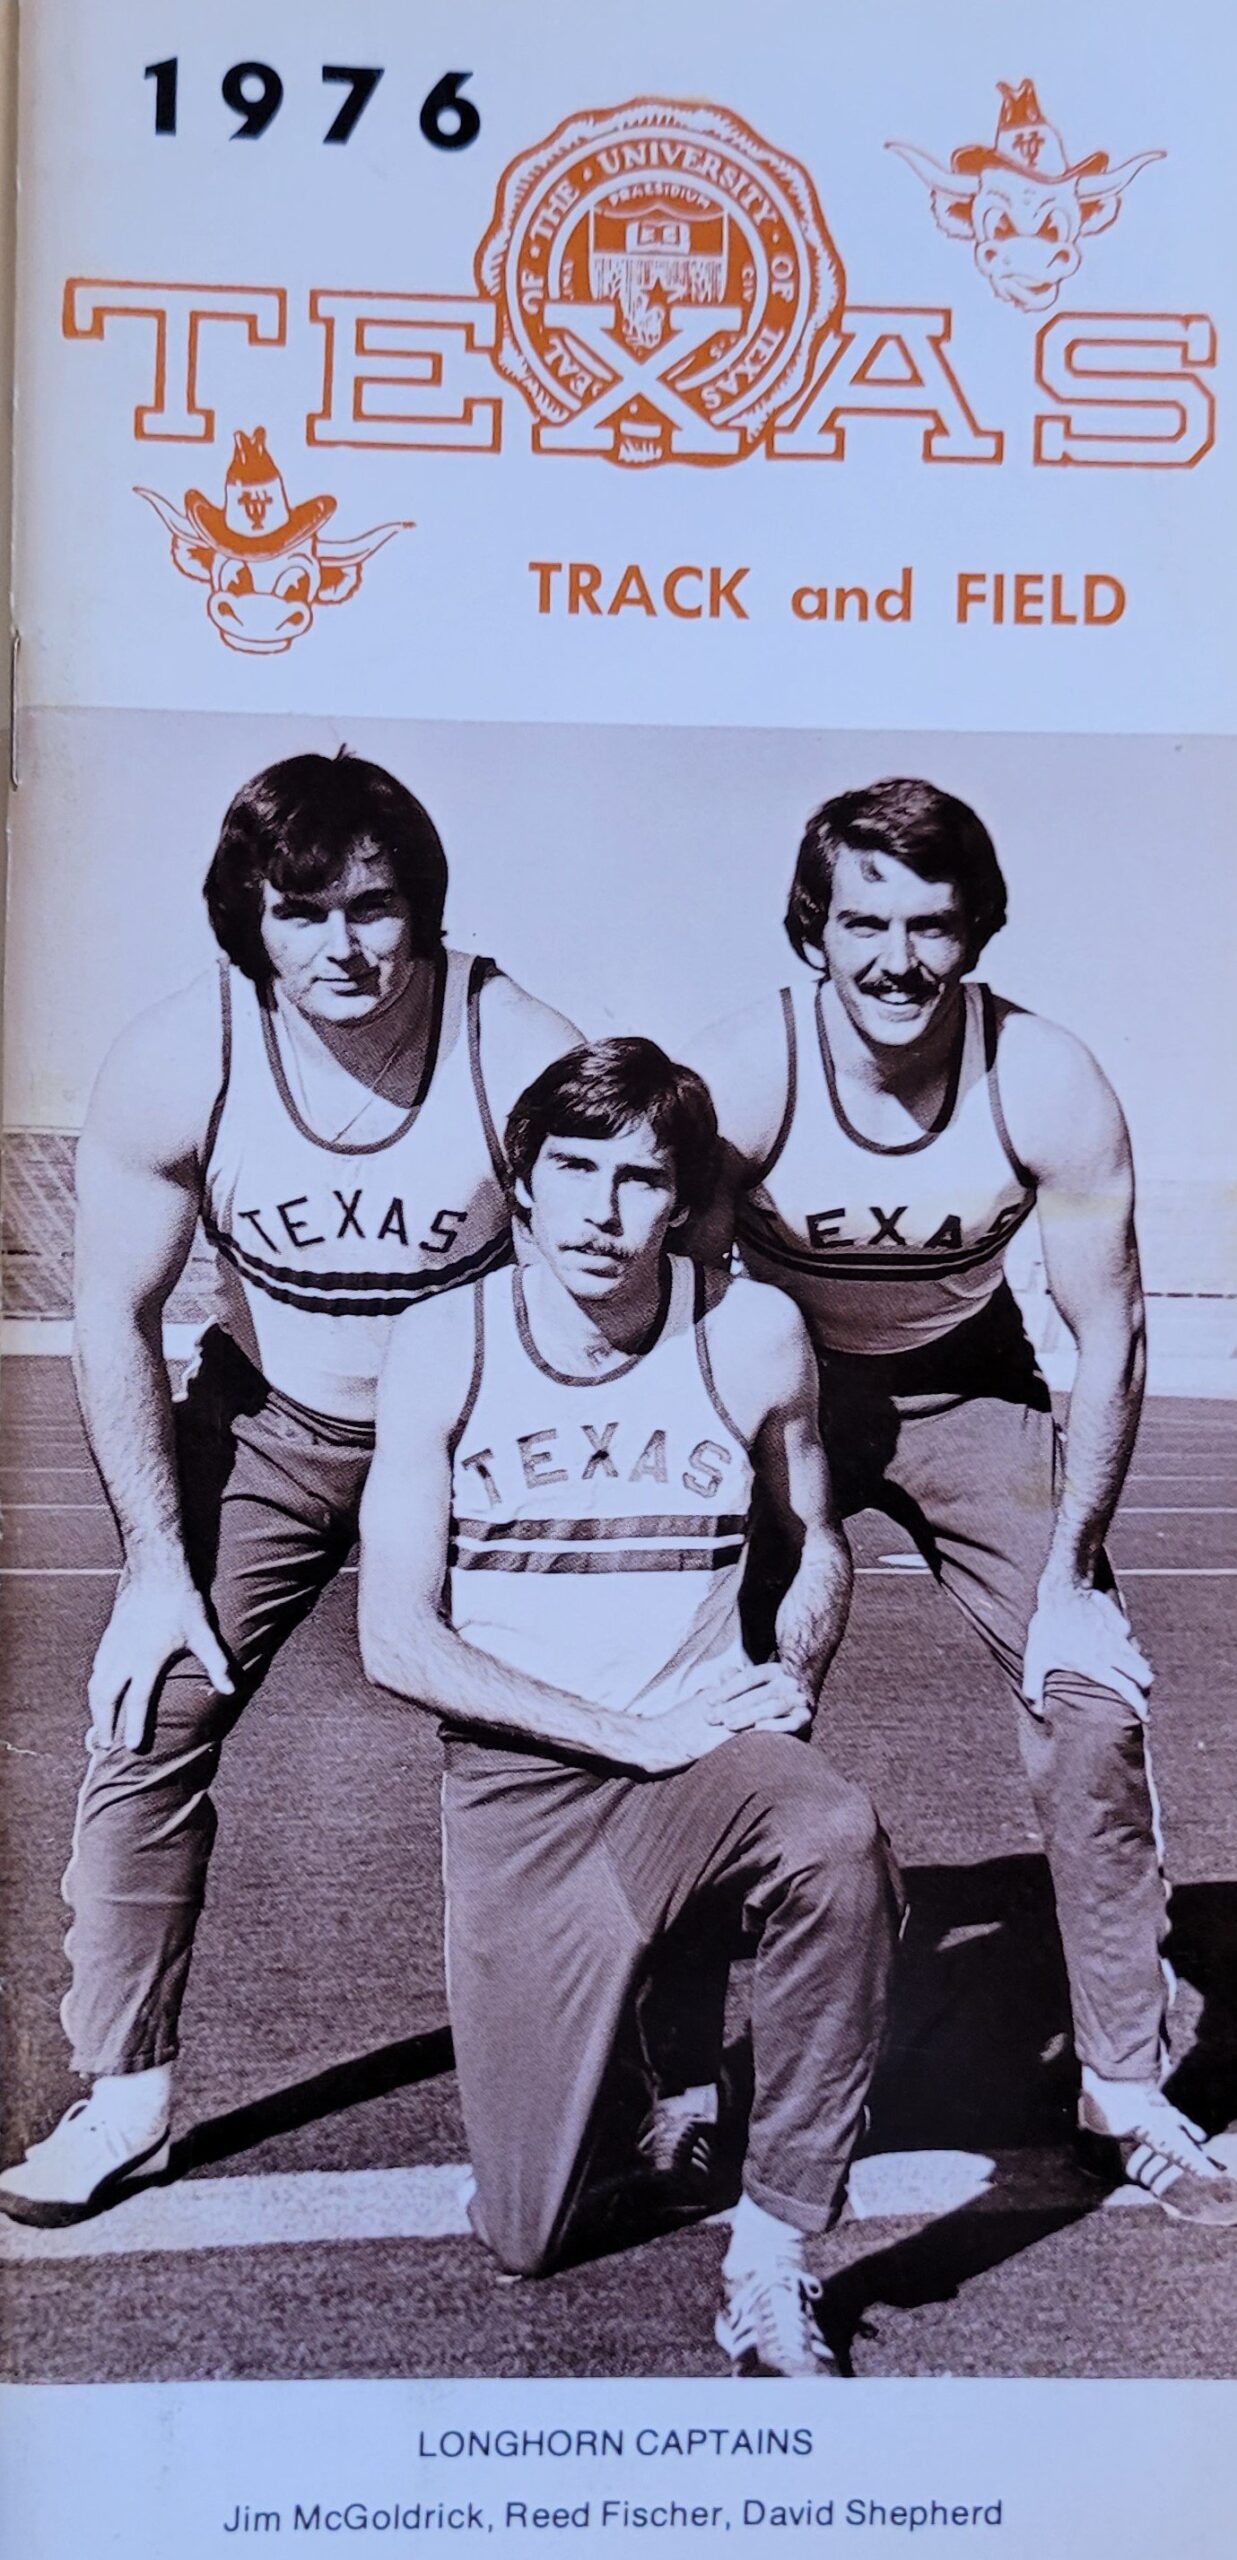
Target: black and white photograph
[
  {"x": 618, "y": 1279},
  {"x": 507, "y": 1161}
]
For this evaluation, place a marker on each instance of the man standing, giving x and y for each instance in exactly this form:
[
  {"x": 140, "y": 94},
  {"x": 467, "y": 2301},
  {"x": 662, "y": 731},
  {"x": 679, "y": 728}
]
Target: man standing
[
  {"x": 615, "y": 1764},
  {"x": 324, "y": 1103},
  {"x": 888, "y": 1126}
]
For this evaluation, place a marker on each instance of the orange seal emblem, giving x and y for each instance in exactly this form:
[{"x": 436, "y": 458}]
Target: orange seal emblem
[{"x": 662, "y": 278}]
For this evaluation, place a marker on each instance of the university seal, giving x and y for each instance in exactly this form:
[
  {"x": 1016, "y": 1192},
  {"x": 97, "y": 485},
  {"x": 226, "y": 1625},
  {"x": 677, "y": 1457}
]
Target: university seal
[{"x": 662, "y": 279}]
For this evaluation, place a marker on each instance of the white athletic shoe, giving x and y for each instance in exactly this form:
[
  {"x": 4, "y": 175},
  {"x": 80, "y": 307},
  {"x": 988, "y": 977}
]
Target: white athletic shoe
[
  {"x": 87, "y": 2163},
  {"x": 767, "y": 2322},
  {"x": 1166, "y": 2153}
]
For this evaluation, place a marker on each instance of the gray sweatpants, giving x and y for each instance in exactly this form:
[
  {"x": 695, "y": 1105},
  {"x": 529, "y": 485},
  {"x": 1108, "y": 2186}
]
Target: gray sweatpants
[
  {"x": 958, "y": 1444},
  {"x": 562, "y": 1878},
  {"x": 270, "y": 1496}
]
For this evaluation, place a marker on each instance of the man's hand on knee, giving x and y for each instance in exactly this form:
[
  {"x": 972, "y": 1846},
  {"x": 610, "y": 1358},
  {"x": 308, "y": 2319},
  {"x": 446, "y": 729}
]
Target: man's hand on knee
[
  {"x": 657, "y": 1745},
  {"x": 1077, "y": 1628},
  {"x": 157, "y": 1616},
  {"x": 762, "y": 1695}
]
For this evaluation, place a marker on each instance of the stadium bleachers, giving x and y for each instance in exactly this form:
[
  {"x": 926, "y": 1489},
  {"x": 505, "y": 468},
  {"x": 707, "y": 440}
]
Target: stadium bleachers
[{"x": 1187, "y": 1231}]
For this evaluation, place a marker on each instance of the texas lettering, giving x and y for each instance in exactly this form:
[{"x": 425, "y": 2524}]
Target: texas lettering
[
  {"x": 843, "y": 1230},
  {"x": 593, "y": 1450},
  {"x": 659, "y": 284},
  {"x": 305, "y": 1221}
]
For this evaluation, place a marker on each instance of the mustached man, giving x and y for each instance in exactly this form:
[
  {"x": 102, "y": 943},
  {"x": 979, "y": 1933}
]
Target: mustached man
[
  {"x": 889, "y": 1123},
  {"x": 553, "y": 1538}
]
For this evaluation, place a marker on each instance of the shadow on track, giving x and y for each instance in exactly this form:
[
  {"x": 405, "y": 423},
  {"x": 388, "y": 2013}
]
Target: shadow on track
[
  {"x": 978, "y": 2054},
  {"x": 978, "y": 2059},
  {"x": 1202, "y": 1950},
  {"x": 344, "y": 2084}
]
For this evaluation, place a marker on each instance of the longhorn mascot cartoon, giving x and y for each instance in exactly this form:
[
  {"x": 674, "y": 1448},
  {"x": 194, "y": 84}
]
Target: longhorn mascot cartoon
[
  {"x": 1024, "y": 207},
  {"x": 267, "y": 564}
]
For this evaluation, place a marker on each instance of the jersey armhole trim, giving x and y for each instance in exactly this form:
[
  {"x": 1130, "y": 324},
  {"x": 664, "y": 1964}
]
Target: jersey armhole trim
[
  {"x": 786, "y": 1123},
  {"x": 479, "y": 976},
  {"x": 225, "y": 1066},
  {"x": 699, "y": 1326},
  {"x": 1014, "y": 1160},
  {"x": 478, "y": 1363}
]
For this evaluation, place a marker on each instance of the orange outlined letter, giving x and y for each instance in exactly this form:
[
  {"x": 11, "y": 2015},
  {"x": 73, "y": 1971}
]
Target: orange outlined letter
[
  {"x": 1090, "y": 361},
  {"x": 175, "y": 415},
  {"x": 406, "y": 370},
  {"x": 887, "y": 364}
]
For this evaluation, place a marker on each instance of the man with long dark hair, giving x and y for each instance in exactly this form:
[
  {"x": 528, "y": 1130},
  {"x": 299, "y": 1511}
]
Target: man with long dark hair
[{"x": 324, "y": 1102}]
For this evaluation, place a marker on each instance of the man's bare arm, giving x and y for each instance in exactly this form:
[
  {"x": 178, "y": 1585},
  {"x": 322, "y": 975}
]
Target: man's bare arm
[
  {"x": 407, "y": 1641},
  {"x": 138, "y": 1192},
  {"x": 762, "y": 1348},
  {"x": 745, "y": 1065},
  {"x": 1066, "y": 1124},
  {"x": 519, "y": 1037}
]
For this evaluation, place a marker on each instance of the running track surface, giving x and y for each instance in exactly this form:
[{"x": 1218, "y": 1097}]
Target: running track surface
[{"x": 318, "y": 2223}]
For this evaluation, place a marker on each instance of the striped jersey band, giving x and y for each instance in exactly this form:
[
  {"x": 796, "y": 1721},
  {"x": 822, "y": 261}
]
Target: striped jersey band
[
  {"x": 357, "y": 1293},
  {"x": 648, "y": 1542}
]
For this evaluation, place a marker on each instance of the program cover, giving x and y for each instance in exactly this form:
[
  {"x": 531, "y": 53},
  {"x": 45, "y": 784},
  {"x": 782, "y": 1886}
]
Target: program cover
[{"x": 616, "y": 1699}]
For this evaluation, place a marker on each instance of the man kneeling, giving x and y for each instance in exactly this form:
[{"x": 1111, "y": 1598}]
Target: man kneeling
[{"x": 614, "y": 1762}]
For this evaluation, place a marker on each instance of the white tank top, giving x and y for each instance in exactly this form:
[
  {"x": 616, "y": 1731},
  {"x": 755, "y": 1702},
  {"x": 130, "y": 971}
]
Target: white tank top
[
  {"x": 319, "y": 1243},
  {"x": 560, "y": 1485},
  {"x": 885, "y": 1248}
]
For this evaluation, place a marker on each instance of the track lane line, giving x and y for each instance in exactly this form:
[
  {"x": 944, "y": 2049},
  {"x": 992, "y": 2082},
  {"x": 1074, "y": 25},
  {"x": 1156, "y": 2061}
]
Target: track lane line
[
  {"x": 863, "y": 1572},
  {"x": 307, "y": 2207}
]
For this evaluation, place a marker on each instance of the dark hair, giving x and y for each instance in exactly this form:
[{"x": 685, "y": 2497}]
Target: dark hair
[
  {"x": 935, "y": 835},
  {"x": 600, "y": 1090},
  {"x": 296, "y": 824}
]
